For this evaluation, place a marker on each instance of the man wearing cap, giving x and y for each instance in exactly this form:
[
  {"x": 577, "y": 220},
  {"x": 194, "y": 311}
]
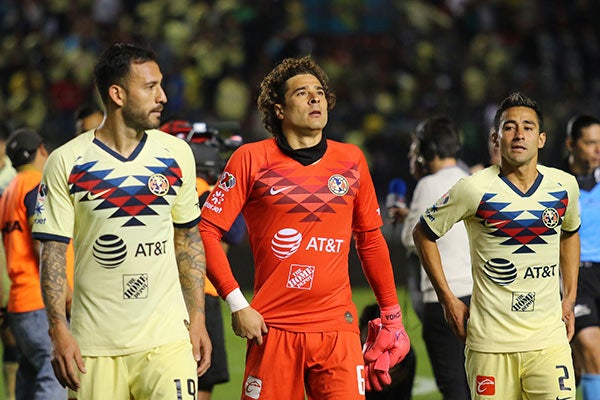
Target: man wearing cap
[{"x": 26, "y": 315}]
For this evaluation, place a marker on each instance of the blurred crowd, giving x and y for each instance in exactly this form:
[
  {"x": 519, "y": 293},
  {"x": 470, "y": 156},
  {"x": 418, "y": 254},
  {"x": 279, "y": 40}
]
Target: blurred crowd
[{"x": 391, "y": 62}]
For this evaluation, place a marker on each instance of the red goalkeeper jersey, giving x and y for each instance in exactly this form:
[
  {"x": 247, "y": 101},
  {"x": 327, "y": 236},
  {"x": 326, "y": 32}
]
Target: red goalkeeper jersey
[{"x": 300, "y": 221}]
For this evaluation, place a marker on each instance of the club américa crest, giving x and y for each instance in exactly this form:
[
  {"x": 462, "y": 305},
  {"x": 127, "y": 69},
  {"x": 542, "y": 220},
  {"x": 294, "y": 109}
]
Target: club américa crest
[
  {"x": 550, "y": 217},
  {"x": 158, "y": 184},
  {"x": 338, "y": 185}
]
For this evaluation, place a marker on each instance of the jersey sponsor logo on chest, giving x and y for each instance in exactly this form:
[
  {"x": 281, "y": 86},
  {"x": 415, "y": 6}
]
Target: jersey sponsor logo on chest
[
  {"x": 301, "y": 277},
  {"x": 288, "y": 241},
  {"x": 110, "y": 251},
  {"x": 504, "y": 272}
]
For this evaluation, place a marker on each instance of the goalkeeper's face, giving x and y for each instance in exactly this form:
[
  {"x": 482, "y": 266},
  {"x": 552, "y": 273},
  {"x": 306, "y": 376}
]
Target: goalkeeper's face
[{"x": 304, "y": 113}]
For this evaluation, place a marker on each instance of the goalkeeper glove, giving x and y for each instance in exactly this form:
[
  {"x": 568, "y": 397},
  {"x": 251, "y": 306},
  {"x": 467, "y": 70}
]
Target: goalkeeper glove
[{"x": 387, "y": 344}]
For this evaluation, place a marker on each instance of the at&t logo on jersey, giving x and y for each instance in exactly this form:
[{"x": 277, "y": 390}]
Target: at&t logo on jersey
[
  {"x": 500, "y": 271},
  {"x": 327, "y": 245},
  {"x": 485, "y": 385},
  {"x": 338, "y": 185},
  {"x": 109, "y": 251},
  {"x": 286, "y": 242}
]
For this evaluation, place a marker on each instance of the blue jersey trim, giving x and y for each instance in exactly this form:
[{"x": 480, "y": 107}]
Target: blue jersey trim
[
  {"x": 574, "y": 231},
  {"x": 428, "y": 232},
  {"x": 187, "y": 224},
  {"x": 30, "y": 201},
  {"x": 116, "y": 155},
  {"x": 532, "y": 189},
  {"x": 46, "y": 237}
]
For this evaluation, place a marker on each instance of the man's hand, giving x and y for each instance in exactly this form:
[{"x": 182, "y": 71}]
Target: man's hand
[
  {"x": 201, "y": 346},
  {"x": 456, "y": 314},
  {"x": 65, "y": 357},
  {"x": 568, "y": 317},
  {"x": 249, "y": 324},
  {"x": 397, "y": 215},
  {"x": 387, "y": 344}
]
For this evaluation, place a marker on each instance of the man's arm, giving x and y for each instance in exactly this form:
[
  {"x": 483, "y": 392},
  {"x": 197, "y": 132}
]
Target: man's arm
[
  {"x": 569, "y": 271},
  {"x": 191, "y": 263},
  {"x": 246, "y": 321},
  {"x": 374, "y": 256},
  {"x": 65, "y": 349},
  {"x": 456, "y": 312}
]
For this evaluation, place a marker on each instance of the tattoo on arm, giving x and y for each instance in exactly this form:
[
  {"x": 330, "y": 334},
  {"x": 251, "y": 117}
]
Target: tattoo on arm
[
  {"x": 191, "y": 262},
  {"x": 54, "y": 281}
]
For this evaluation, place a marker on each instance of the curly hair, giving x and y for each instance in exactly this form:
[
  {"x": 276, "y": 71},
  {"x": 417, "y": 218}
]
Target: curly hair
[
  {"x": 274, "y": 85},
  {"x": 517, "y": 99}
]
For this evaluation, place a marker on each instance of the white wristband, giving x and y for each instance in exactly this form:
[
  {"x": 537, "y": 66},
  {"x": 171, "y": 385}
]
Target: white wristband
[{"x": 236, "y": 300}]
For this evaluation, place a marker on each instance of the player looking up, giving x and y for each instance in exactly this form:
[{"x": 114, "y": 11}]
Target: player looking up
[{"x": 303, "y": 197}]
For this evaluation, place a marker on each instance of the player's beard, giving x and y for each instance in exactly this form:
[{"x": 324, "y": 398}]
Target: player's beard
[{"x": 139, "y": 119}]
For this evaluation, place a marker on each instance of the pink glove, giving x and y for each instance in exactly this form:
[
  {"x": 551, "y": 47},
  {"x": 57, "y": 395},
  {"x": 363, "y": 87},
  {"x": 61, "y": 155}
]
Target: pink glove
[{"x": 389, "y": 346}]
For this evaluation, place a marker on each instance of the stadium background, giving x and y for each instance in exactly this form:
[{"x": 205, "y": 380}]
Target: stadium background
[{"x": 391, "y": 63}]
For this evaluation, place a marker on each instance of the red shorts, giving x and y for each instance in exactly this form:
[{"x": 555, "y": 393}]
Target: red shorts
[{"x": 327, "y": 365}]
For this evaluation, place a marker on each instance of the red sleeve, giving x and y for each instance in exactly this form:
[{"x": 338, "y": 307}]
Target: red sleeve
[
  {"x": 218, "y": 268},
  {"x": 374, "y": 255}
]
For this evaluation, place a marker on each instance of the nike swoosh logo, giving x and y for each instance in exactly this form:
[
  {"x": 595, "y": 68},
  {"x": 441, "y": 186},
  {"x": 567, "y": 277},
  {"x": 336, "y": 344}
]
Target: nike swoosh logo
[
  {"x": 91, "y": 196},
  {"x": 563, "y": 398},
  {"x": 274, "y": 191},
  {"x": 492, "y": 224}
]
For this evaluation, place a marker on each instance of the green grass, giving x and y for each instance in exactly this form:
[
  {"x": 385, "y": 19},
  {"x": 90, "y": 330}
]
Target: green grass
[{"x": 424, "y": 387}]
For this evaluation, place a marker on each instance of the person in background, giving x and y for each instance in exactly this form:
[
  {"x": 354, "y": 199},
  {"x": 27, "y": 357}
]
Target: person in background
[
  {"x": 522, "y": 220},
  {"x": 7, "y": 171},
  {"x": 493, "y": 153},
  {"x": 209, "y": 165},
  {"x": 125, "y": 192},
  {"x": 26, "y": 315},
  {"x": 583, "y": 145},
  {"x": 303, "y": 197},
  {"x": 435, "y": 149},
  {"x": 10, "y": 363},
  {"x": 87, "y": 116}
]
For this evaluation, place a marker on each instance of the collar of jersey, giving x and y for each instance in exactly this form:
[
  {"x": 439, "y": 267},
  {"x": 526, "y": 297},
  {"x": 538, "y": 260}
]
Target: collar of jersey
[
  {"x": 118, "y": 156},
  {"x": 304, "y": 156}
]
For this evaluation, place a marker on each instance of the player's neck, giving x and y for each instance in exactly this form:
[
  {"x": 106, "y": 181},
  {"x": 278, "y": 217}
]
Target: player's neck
[
  {"x": 522, "y": 176},
  {"x": 119, "y": 137},
  {"x": 297, "y": 141}
]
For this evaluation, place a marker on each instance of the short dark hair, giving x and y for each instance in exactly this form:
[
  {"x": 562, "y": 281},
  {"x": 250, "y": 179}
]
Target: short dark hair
[
  {"x": 114, "y": 65},
  {"x": 577, "y": 123},
  {"x": 517, "y": 99},
  {"x": 273, "y": 87},
  {"x": 438, "y": 136}
]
